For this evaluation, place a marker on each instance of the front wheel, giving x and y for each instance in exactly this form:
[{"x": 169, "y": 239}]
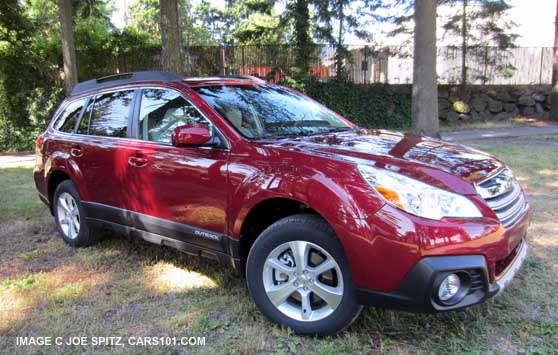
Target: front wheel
[{"x": 299, "y": 276}]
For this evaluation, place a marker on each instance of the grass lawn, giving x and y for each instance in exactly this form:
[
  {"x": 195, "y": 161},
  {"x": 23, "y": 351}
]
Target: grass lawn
[
  {"x": 130, "y": 288},
  {"x": 490, "y": 124}
]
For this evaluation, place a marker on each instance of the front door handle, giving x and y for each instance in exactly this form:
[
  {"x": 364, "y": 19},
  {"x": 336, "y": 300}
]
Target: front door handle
[
  {"x": 75, "y": 151},
  {"x": 137, "y": 161}
]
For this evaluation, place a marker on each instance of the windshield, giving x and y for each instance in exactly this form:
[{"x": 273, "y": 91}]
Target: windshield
[{"x": 267, "y": 111}]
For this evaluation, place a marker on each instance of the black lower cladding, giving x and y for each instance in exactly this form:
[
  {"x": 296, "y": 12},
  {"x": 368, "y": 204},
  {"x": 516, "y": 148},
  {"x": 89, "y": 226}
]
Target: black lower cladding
[
  {"x": 44, "y": 199},
  {"x": 164, "y": 232},
  {"x": 418, "y": 290}
]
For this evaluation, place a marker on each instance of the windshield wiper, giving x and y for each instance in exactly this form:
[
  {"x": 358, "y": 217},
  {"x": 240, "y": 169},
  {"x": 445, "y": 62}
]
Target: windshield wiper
[
  {"x": 333, "y": 130},
  {"x": 306, "y": 134},
  {"x": 280, "y": 136}
]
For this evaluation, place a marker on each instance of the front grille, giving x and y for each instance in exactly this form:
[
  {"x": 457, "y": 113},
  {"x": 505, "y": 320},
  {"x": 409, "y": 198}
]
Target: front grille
[{"x": 503, "y": 195}]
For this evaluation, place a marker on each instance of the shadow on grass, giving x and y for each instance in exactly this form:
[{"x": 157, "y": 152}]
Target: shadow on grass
[{"x": 127, "y": 287}]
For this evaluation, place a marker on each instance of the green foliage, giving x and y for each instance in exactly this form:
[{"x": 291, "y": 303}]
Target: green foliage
[
  {"x": 480, "y": 26},
  {"x": 297, "y": 17},
  {"x": 26, "y": 84},
  {"x": 297, "y": 78},
  {"x": 30, "y": 60},
  {"x": 351, "y": 18},
  {"x": 102, "y": 52},
  {"x": 145, "y": 19},
  {"x": 370, "y": 106},
  {"x": 242, "y": 22}
]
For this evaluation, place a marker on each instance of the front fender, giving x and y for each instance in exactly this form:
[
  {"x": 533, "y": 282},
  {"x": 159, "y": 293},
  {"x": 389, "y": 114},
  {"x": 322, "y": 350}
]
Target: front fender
[{"x": 334, "y": 189}]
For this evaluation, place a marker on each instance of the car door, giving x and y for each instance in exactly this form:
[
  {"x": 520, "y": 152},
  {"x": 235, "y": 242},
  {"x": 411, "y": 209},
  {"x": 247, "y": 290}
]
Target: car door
[
  {"x": 177, "y": 192},
  {"x": 100, "y": 152}
]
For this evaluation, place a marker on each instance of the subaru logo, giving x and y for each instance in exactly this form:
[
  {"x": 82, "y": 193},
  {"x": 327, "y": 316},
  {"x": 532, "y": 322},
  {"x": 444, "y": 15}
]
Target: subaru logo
[{"x": 499, "y": 184}]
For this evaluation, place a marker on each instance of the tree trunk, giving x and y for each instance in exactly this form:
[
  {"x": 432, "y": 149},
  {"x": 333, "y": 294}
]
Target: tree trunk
[
  {"x": 172, "y": 54},
  {"x": 302, "y": 36},
  {"x": 464, "y": 48},
  {"x": 339, "y": 67},
  {"x": 68, "y": 46},
  {"x": 554, "y": 93},
  {"x": 425, "y": 90}
]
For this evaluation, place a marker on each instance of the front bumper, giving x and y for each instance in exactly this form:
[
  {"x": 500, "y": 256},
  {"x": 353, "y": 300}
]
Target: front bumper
[{"x": 417, "y": 292}]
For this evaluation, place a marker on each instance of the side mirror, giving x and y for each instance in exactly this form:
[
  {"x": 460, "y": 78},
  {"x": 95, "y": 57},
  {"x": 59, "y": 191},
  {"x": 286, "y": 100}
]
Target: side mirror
[{"x": 196, "y": 134}]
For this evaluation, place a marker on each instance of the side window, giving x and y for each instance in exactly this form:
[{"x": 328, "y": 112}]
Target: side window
[
  {"x": 84, "y": 123},
  {"x": 161, "y": 111},
  {"x": 67, "y": 120},
  {"x": 109, "y": 117}
]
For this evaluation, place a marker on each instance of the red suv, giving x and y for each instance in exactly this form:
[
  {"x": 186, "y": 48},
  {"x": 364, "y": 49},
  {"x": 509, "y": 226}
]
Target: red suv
[{"x": 320, "y": 215}]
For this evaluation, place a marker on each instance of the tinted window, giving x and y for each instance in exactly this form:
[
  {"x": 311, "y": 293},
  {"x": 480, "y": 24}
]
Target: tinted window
[
  {"x": 109, "y": 117},
  {"x": 258, "y": 111},
  {"x": 84, "y": 123},
  {"x": 67, "y": 120},
  {"x": 162, "y": 111}
]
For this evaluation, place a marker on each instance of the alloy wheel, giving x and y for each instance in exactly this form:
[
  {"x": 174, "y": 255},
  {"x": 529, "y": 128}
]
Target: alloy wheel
[
  {"x": 68, "y": 215},
  {"x": 303, "y": 281}
]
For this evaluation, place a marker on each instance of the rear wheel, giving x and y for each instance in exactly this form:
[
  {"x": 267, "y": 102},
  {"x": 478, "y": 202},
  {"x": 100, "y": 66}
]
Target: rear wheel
[
  {"x": 69, "y": 216},
  {"x": 299, "y": 277}
]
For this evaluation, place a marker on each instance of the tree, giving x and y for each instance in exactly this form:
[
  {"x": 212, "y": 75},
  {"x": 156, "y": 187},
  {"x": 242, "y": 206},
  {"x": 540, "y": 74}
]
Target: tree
[
  {"x": 172, "y": 53},
  {"x": 145, "y": 17},
  {"x": 65, "y": 13},
  {"x": 28, "y": 81},
  {"x": 480, "y": 24},
  {"x": 302, "y": 39},
  {"x": 242, "y": 22},
  {"x": 476, "y": 24},
  {"x": 425, "y": 91},
  {"x": 351, "y": 17},
  {"x": 554, "y": 92}
]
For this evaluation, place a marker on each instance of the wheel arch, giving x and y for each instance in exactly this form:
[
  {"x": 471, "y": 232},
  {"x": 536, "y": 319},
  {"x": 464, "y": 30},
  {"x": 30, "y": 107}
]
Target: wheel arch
[
  {"x": 55, "y": 178},
  {"x": 263, "y": 214}
]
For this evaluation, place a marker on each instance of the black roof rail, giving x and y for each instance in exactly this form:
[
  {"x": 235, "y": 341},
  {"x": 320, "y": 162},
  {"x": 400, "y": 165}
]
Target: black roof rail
[{"x": 124, "y": 78}]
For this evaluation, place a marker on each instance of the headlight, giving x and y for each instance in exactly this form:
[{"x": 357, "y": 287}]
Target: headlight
[{"x": 417, "y": 197}]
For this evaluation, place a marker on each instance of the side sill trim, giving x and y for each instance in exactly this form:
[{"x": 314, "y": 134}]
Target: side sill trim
[
  {"x": 188, "y": 248},
  {"x": 164, "y": 232},
  {"x": 44, "y": 199}
]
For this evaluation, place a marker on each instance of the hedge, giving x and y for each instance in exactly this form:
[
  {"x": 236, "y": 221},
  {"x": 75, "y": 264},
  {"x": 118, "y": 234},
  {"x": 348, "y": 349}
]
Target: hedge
[{"x": 371, "y": 106}]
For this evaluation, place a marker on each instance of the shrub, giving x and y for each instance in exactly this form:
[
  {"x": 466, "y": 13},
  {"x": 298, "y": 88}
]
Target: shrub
[{"x": 370, "y": 106}]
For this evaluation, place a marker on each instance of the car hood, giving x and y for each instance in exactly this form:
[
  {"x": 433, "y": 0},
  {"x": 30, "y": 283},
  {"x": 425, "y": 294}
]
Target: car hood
[{"x": 414, "y": 155}]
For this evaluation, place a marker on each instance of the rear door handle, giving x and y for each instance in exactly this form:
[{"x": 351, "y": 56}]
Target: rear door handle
[
  {"x": 75, "y": 151},
  {"x": 138, "y": 161}
]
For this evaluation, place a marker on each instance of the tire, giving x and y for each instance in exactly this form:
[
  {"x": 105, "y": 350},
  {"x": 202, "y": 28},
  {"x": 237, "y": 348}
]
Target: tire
[
  {"x": 272, "y": 271},
  {"x": 66, "y": 204}
]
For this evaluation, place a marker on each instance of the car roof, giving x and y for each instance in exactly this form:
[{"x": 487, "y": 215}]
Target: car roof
[{"x": 121, "y": 79}]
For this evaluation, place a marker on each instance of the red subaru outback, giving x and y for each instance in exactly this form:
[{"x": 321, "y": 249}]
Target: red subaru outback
[{"x": 320, "y": 215}]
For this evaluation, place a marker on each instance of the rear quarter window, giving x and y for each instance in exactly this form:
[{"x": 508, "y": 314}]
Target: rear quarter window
[{"x": 67, "y": 120}]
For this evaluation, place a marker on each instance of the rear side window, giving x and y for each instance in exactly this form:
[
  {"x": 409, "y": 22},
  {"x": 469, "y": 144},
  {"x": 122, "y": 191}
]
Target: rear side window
[
  {"x": 109, "y": 117},
  {"x": 84, "y": 123},
  {"x": 67, "y": 120}
]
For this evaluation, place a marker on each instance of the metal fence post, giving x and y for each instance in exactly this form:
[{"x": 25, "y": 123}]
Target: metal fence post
[{"x": 542, "y": 63}]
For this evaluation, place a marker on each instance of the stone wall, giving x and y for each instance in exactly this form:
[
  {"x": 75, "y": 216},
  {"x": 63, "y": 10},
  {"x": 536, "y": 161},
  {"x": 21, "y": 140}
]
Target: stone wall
[{"x": 483, "y": 103}]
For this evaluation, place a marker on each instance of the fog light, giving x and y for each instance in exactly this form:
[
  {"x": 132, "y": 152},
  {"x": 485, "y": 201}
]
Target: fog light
[{"x": 449, "y": 287}]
